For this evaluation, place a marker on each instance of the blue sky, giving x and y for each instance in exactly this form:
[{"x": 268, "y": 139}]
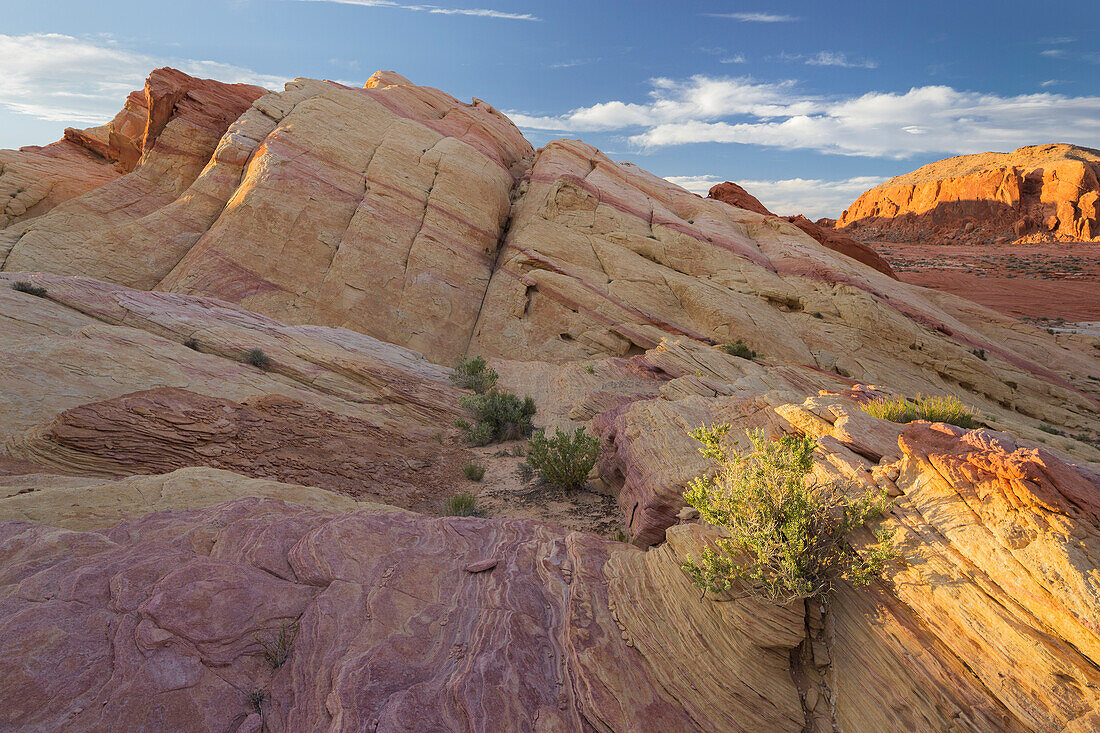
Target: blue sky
[{"x": 805, "y": 103}]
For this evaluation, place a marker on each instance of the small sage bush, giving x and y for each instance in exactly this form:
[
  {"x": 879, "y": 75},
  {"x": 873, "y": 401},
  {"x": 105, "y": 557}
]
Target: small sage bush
[
  {"x": 474, "y": 374},
  {"x": 462, "y": 505},
  {"x": 786, "y": 535},
  {"x": 739, "y": 348},
  {"x": 564, "y": 459},
  {"x": 497, "y": 416},
  {"x": 473, "y": 471}
]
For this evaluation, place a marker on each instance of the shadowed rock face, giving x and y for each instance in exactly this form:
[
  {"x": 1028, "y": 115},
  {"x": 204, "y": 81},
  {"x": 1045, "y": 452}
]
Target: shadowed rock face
[{"x": 1038, "y": 193}]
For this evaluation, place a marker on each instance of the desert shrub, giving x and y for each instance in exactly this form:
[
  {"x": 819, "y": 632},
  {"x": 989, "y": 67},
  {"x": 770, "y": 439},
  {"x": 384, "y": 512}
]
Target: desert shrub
[
  {"x": 894, "y": 409},
  {"x": 564, "y": 459},
  {"x": 462, "y": 505},
  {"x": 739, "y": 348},
  {"x": 497, "y": 416},
  {"x": 256, "y": 700},
  {"x": 192, "y": 343},
  {"x": 590, "y": 368},
  {"x": 25, "y": 286},
  {"x": 474, "y": 374},
  {"x": 934, "y": 409},
  {"x": 786, "y": 535},
  {"x": 276, "y": 649},
  {"x": 474, "y": 471},
  {"x": 1050, "y": 429},
  {"x": 258, "y": 359}
]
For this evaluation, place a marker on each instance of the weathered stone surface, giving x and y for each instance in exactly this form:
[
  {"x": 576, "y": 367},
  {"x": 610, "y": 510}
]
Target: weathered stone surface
[
  {"x": 597, "y": 288},
  {"x": 394, "y": 633},
  {"x": 276, "y": 437},
  {"x": 82, "y": 503},
  {"x": 84, "y": 394},
  {"x": 408, "y": 196},
  {"x": 734, "y": 195},
  {"x": 89, "y": 341},
  {"x": 1036, "y": 193},
  {"x": 843, "y": 244},
  {"x": 408, "y": 623},
  {"x": 125, "y": 231},
  {"x": 33, "y": 180}
]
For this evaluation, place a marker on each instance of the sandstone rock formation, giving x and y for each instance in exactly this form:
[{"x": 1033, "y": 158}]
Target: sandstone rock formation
[
  {"x": 105, "y": 233},
  {"x": 1037, "y": 193},
  {"x": 734, "y": 195},
  {"x": 167, "y": 508},
  {"x": 405, "y": 622}
]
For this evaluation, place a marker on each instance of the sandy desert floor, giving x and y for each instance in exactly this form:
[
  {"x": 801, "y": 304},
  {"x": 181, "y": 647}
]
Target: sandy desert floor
[{"x": 1045, "y": 283}]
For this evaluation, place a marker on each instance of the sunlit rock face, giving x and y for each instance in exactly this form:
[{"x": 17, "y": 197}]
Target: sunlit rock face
[{"x": 1037, "y": 193}]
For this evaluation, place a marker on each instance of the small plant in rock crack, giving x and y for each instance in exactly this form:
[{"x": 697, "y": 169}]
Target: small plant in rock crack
[
  {"x": 256, "y": 700},
  {"x": 462, "y": 505},
  {"x": 739, "y": 348},
  {"x": 25, "y": 286},
  {"x": 276, "y": 648},
  {"x": 192, "y": 343},
  {"x": 474, "y": 374},
  {"x": 473, "y": 471},
  {"x": 258, "y": 359},
  {"x": 784, "y": 534},
  {"x": 564, "y": 459}
]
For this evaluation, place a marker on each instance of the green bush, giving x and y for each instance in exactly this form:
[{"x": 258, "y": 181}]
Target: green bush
[
  {"x": 497, "y": 416},
  {"x": 256, "y": 700},
  {"x": 934, "y": 409},
  {"x": 258, "y": 359},
  {"x": 474, "y": 374},
  {"x": 462, "y": 505},
  {"x": 563, "y": 459},
  {"x": 786, "y": 535},
  {"x": 739, "y": 348},
  {"x": 474, "y": 471},
  {"x": 25, "y": 286}
]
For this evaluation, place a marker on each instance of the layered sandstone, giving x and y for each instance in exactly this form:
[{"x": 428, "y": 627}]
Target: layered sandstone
[
  {"x": 164, "y": 503},
  {"x": 1037, "y": 193},
  {"x": 165, "y": 138},
  {"x": 988, "y": 624},
  {"x": 734, "y": 195}
]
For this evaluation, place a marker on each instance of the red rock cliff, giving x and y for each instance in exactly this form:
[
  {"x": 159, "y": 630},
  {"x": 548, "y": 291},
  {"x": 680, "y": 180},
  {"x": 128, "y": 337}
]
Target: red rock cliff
[{"x": 1038, "y": 193}]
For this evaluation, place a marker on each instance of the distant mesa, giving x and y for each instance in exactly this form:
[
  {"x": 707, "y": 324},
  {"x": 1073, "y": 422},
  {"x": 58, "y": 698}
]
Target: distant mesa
[
  {"x": 1041, "y": 193},
  {"x": 734, "y": 195}
]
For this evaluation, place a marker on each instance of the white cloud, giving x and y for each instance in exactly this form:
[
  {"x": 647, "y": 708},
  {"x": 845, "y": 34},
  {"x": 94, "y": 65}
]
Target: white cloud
[
  {"x": 737, "y": 59},
  {"x": 755, "y": 17},
  {"x": 1054, "y": 53},
  {"x": 434, "y": 9},
  {"x": 61, "y": 78},
  {"x": 811, "y": 197},
  {"x": 921, "y": 121},
  {"x": 828, "y": 58}
]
